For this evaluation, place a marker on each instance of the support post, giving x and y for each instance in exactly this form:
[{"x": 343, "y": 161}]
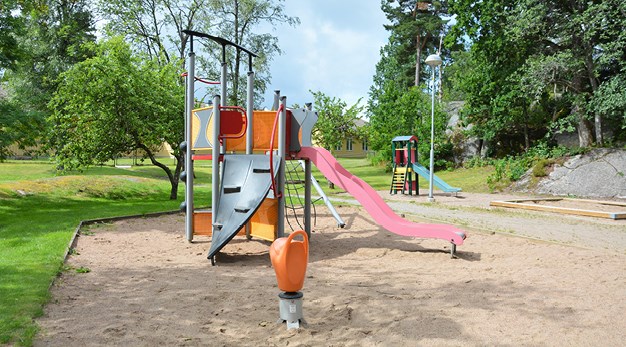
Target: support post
[
  {"x": 432, "y": 142},
  {"x": 224, "y": 77},
  {"x": 282, "y": 136},
  {"x": 188, "y": 161},
  {"x": 215, "y": 173},
  {"x": 307, "y": 197},
  {"x": 276, "y": 100},
  {"x": 250, "y": 111}
]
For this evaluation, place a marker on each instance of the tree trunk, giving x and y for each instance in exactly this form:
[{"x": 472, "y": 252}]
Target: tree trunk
[
  {"x": 593, "y": 81},
  {"x": 585, "y": 133},
  {"x": 418, "y": 60},
  {"x": 526, "y": 136},
  {"x": 171, "y": 176}
]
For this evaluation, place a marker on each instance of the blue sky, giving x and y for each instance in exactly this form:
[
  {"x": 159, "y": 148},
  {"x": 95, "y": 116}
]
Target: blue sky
[{"x": 334, "y": 50}]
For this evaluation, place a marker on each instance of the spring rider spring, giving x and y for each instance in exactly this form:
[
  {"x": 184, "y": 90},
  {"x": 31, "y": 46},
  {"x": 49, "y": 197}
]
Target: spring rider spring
[{"x": 289, "y": 259}]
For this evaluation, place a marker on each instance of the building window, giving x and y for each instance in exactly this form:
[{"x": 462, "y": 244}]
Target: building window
[
  {"x": 364, "y": 144},
  {"x": 338, "y": 148},
  {"x": 349, "y": 144}
]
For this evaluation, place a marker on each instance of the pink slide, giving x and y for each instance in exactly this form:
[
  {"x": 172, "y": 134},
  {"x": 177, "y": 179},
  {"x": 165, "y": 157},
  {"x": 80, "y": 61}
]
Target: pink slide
[{"x": 373, "y": 203}]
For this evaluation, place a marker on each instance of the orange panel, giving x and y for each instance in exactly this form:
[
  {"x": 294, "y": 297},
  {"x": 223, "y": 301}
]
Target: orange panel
[
  {"x": 264, "y": 222},
  {"x": 263, "y": 122},
  {"x": 202, "y": 224}
]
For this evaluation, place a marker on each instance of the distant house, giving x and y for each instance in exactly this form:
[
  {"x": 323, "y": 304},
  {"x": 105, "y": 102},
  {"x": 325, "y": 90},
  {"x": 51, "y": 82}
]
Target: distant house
[{"x": 353, "y": 147}]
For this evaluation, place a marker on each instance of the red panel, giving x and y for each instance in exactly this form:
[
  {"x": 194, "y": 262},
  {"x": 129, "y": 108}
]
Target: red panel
[{"x": 232, "y": 122}]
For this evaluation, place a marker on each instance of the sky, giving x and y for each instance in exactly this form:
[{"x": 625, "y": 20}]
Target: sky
[{"x": 334, "y": 50}]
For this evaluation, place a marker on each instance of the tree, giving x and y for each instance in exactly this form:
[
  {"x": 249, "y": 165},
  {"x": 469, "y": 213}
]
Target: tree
[
  {"x": 408, "y": 113},
  {"x": 49, "y": 40},
  {"x": 417, "y": 26},
  {"x": 115, "y": 103},
  {"x": 554, "y": 55},
  {"x": 335, "y": 123},
  {"x": 10, "y": 25},
  {"x": 336, "y": 120},
  {"x": 156, "y": 28},
  {"x": 244, "y": 22},
  {"x": 397, "y": 103}
]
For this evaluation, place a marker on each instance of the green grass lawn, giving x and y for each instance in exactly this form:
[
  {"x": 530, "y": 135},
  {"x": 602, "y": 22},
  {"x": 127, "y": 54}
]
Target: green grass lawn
[
  {"x": 38, "y": 215},
  {"x": 40, "y": 210},
  {"x": 472, "y": 180}
]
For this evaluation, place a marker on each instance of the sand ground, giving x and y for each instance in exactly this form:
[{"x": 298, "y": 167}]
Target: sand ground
[{"x": 522, "y": 278}]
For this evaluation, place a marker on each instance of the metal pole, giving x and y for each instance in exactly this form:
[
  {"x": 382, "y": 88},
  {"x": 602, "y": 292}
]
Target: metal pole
[
  {"x": 276, "y": 100},
  {"x": 320, "y": 192},
  {"x": 215, "y": 173},
  {"x": 188, "y": 161},
  {"x": 250, "y": 111},
  {"x": 307, "y": 197},
  {"x": 432, "y": 141},
  {"x": 282, "y": 136},
  {"x": 217, "y": 148},
  {"x": 224, "y": 77}
]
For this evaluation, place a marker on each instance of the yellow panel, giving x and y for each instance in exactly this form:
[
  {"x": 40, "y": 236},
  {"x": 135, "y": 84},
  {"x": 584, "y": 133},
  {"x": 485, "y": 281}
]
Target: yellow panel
[{"x": 264, "y": 223}]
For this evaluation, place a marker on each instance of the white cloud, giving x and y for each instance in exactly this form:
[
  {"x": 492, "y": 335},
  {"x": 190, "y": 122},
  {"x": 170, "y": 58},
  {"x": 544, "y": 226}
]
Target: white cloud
[{"x": 334, "y": 50}]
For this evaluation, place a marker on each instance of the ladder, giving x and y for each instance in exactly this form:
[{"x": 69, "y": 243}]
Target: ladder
[{"x": 398, "y": 182}]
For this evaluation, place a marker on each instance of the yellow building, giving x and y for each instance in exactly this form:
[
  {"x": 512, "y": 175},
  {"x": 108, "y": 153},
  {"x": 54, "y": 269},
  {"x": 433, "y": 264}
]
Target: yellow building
[{"x": 352, "y": 147}]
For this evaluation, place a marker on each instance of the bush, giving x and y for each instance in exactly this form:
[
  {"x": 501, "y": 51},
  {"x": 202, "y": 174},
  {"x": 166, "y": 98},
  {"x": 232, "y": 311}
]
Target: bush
[{"x": 539, "y": 157}]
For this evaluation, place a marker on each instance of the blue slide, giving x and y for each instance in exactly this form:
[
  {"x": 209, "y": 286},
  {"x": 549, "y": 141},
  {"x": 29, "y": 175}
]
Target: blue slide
[{"x": 439, "y": 183}]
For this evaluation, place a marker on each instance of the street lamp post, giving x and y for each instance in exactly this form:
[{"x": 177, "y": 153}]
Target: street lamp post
[{"x": 433, "y": 61}]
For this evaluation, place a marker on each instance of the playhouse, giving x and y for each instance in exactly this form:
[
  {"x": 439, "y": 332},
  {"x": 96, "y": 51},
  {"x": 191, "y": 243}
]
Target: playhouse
[{"x": 406, "y": 168}]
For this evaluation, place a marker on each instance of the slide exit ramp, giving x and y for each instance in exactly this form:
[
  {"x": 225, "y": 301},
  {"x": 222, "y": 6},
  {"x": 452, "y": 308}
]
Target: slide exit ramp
[
  {"x": 374, "y": 204},
  {"x": 245, "y": 184},
  {"x": 438, "y": 182}
]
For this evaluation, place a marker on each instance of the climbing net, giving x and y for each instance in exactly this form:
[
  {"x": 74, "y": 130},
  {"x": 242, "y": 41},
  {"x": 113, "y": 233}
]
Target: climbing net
[{"x": 294, "y": 199}]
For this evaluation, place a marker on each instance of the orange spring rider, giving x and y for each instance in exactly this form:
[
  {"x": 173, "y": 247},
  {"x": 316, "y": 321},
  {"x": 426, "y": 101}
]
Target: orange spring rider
[{"x": 289, "y": 259}]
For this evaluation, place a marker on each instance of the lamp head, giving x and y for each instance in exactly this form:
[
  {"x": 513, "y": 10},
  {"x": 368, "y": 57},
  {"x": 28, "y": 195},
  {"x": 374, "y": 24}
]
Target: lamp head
[{"x": 433, "y": 60}]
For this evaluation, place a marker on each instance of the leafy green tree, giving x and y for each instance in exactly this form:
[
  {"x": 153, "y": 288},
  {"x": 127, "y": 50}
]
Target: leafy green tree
[
  {"x": 156, "y": 28},
  {"x": 409, "y": 113},
  {"x": 335, "y": 123},
  {"x": 50, "y": 36},
  {"x": 415, "y": 27},
  {"x": 115, "y": 103},
  {"x": 397, "y": 104},
  {"x": 10, "y": 26},
  {"x": 543, "y": 63},
  {"x": 246, "y": 23},
  {"x": 336, "y": 120},
  {"x": 497, "y": 104}
]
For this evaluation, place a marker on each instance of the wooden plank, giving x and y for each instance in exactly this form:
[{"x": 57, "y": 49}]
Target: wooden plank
[
  {"x": 563, "y": 210},
  {"x": 600, "y": 202}
]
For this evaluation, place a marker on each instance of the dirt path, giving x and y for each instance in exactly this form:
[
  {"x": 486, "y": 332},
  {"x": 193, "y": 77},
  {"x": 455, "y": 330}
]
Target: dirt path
[
  {"x": 472, "y": 211},
  {"x": 365, "y": 287}
]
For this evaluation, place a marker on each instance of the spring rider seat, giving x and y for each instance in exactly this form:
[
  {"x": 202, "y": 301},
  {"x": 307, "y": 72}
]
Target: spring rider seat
[{"x": 289, "y": 259}]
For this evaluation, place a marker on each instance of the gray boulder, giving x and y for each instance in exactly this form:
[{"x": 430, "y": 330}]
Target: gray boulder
[{"x": 600, "y": 173}]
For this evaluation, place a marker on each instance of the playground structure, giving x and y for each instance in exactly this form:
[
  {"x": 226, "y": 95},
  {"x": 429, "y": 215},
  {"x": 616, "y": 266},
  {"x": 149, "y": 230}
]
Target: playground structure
[
  {"x": 406, "y": 168},
  {"x": 249, "y": 150}
]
